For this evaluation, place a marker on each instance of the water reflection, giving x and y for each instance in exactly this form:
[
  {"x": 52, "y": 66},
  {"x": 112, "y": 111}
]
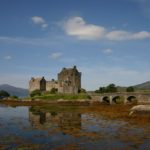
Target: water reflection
[
  {"x": 67, "y": 128},
  {"x": 66, "y": 122}
]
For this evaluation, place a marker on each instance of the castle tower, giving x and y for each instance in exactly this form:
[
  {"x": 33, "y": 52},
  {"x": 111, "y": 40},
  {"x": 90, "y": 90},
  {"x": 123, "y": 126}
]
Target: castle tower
[
  {"x": 69, "y": 81},
  {"x": 37, "y": 84},
  {"x": 51, "y": 84}
]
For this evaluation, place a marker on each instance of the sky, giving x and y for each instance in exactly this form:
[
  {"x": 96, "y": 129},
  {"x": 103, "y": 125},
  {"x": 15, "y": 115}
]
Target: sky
[{"x": 108, "y": 40}]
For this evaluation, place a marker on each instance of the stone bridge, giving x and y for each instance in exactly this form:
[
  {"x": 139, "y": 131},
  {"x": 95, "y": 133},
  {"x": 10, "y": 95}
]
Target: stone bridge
[{"x": 122, "y": 97}]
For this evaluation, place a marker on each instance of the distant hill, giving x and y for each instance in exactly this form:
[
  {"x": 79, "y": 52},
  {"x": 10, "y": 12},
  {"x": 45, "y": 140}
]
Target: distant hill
[
  {"x": 143, "y": 86},
  {"x": 20, "y": 92}
]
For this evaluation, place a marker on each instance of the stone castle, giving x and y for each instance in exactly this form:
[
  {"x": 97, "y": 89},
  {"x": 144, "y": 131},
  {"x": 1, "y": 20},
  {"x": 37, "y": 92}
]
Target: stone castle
[{"x": 69, "y": 81}]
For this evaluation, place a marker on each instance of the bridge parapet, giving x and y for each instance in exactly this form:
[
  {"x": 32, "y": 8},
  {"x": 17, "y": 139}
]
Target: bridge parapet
[{"x": 127, "y": 97}]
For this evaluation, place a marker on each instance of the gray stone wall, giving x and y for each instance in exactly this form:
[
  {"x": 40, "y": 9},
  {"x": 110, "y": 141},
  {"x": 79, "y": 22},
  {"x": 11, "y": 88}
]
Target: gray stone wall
[
  {"x": 37, "y": 84},
  {"x": 69, "y": 80},
  {"x": 51, "y": 84}
]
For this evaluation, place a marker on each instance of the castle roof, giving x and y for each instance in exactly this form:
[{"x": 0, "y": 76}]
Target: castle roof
[
  {"x": 69, "y": 69},
  {"x": 37, "y": 79}
]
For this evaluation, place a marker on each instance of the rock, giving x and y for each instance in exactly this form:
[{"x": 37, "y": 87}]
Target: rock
[
  {"x": 140, "y": 108},
  {"x": 60, "y": 100}
]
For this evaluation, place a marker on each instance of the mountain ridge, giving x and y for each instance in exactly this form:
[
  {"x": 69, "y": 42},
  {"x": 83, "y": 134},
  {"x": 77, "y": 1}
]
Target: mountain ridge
[
  {"x": 143, "y": 86},
  {"x": 12, "y": 90}
]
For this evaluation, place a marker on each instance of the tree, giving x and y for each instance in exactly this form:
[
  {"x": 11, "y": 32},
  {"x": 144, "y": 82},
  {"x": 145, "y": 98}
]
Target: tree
[
  {"x": 96, "y": 91},
  {"x": 4, "y": 94},
  {"x": 54, "y": 91},
  {"x": 82, "y": 90},
  {"x": 14, "y": 97},
  {"x": 102, "y": 90},
  {"x": 130, "y": 89},
  {"x": 35, "y": 93},
  {"x": 111, "y": 88}
]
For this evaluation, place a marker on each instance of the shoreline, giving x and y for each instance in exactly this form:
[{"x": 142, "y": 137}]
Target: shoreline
[
  {"x": 44, "y": 102},
  {"x": 116, "y": 111},
  {"x": 62, "y": 102}
]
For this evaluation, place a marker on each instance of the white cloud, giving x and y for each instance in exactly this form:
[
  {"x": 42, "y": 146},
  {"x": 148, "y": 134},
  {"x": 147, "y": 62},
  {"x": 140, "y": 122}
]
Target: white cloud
[
  {"x": 77, "y": 27},
  {"x": 140, "y": 35},
  {"x": 8, "y": 57},
  {"x": 56, "y": 55},
  {"x": 107, "y": 51},
  {"x": 39, "y": 21},
  {"x": 44, "y": 25},
  {"x": 117, "y": 35}
]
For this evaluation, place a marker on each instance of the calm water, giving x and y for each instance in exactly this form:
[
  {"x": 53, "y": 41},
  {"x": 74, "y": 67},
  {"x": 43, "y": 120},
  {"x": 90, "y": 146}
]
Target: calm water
[{"x": 38, "y": 128}]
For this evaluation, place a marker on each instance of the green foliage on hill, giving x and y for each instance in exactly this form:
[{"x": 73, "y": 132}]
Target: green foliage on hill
[
  {"x": 111, "y": 88},
  {"x": 130, "y": 89}
]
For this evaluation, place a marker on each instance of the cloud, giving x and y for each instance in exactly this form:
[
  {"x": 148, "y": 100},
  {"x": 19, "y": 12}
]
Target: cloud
[
  {"x": 77, "y": 27},
  {"x": 117, "y": 35},
  {"x": 8, "y": 57},
  {"x": 107, "y": 51},
  {"x": 39, "y": 21},
  {"x": 56, "y": 55},
  {"x": 124, "y": 35},
  {"x": 140, "y": 35}
]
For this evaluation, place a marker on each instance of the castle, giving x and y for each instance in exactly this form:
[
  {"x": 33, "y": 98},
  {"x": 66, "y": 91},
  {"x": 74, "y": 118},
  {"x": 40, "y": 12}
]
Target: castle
[{"x": 69, "y": 81}]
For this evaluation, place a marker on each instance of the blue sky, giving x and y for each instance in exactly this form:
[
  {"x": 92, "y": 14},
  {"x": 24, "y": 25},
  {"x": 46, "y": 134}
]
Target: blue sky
[{"x": 108, "y": 41}]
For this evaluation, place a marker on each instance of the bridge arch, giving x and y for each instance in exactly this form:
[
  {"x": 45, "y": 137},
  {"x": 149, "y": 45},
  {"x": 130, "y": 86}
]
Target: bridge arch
[
  {"x": 117, "y": 99},
  {"x": 106, "y": 99},
  {"x": 131, "y": 99}
]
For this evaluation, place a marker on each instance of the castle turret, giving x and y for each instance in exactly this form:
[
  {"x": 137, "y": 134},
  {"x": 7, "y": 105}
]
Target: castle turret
[
  {"x": 69, "y": 80},
  {"x": 37, "y": 84}
]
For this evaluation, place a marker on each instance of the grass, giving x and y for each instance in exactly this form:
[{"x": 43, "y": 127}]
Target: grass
[{"x": 62, "y": 97}]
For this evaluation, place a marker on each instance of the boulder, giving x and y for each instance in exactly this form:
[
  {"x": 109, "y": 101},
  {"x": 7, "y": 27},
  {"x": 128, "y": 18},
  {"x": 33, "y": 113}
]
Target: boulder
[{"x": 140, "y": 109}]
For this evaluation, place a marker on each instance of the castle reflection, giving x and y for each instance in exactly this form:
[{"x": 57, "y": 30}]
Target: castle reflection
[{"x": 64, "y": 121}]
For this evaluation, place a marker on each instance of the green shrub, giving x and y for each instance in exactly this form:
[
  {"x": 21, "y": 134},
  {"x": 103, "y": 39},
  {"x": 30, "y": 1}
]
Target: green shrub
[
  {"x": 14, "y": 97},
  {"x": 54, "y": 91},
  {"x": 35, "y": 93},
  {"x": 82, "y": 90},
  {"x": 4, "y": 94}
]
